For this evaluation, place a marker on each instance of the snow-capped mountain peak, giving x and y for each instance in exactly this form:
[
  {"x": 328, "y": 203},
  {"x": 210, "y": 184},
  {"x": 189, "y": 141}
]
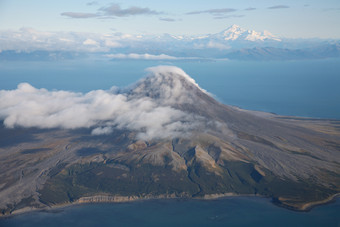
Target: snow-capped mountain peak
[{"x": 235, "y": 32}]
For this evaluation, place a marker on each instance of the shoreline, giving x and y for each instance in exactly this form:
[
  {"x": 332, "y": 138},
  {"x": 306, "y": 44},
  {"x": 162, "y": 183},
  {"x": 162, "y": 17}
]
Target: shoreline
[
  {"x": 102, "y": 198},
  {"x": 308, "y": 206}
]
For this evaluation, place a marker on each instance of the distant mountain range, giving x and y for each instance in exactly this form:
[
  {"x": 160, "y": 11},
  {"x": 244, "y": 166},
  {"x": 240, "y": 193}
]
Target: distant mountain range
[
  {"x": 232, "y": 33},
  {"x": 232, "y": 43},
  {"x": 273, "y": 53}
]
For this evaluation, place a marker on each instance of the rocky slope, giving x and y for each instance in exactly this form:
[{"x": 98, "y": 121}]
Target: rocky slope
[{"x": 208, "y": 149}]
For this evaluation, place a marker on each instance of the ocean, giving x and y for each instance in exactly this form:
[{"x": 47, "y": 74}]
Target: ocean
[
  {"x": 297, "y": 88},
  {"x": 230, "y": 211}
]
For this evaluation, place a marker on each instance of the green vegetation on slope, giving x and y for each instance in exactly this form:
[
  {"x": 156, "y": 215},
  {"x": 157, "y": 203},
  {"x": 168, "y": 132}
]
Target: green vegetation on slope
[{"x": 142, "y": 180}]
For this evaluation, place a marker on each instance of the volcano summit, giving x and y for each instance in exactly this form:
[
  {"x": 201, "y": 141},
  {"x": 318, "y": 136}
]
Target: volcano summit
[{"x": 164, "y": 137}]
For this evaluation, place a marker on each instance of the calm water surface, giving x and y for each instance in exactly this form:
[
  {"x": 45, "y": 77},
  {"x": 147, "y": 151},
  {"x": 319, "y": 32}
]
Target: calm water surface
[{"x": 234, "y": 211}]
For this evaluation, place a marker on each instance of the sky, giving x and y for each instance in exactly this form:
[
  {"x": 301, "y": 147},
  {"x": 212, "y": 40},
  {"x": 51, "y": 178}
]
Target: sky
[{"x": 291, "y": 19}]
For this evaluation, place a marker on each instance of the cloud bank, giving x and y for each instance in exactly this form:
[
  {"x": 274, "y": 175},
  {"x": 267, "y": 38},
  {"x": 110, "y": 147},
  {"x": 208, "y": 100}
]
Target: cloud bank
[
  {"x": 147, "y": 56},
  {"x": 100, "y": 110},
  {"x": 29, "y": 39}
]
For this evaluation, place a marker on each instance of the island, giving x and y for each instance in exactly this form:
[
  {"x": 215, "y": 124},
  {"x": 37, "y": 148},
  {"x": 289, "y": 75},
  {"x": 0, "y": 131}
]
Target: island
[{"x": 169, "y": 138}]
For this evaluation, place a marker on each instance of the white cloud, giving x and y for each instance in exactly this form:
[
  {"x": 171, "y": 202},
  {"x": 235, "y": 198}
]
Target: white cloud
[
  {"x": 218, "y": 45},
  {"x": 161, "y": 71},
  {"x": 112, "y": 43},
  {"x": 147, "y": 56},
  {"x": 90, "y": 42},
  {"x": 103, "y": 111},
  {"x": 28, "y": 39},
  {"x": 102, "y": 131}
]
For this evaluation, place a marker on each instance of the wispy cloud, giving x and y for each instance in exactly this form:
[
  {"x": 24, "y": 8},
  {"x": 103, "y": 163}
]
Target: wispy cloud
[
  {"x": 228, "y": 16},
  {"x": 110, "y": 12},
  {"x": 279, "y": 7},
  {"x": 250, "y": 8},
  {"x": 79, "y": 15},
  {"x": 92, "y": 3},
  {"x": 332, "y": 9},
  {"x": 116, "y": 10},
  {"x": 167, "y": 19},
  {"x": 213, "y": 11}
]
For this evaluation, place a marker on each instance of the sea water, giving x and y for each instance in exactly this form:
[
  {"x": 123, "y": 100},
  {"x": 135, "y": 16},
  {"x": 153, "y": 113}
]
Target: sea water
[{"x": 230, "y": 211}]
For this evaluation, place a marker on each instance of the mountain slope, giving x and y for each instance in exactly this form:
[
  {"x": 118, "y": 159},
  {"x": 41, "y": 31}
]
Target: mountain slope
[{"x": 212, "y": 150}]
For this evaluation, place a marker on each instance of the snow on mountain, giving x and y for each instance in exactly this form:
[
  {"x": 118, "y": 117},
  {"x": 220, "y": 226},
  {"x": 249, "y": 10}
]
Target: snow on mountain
[
  {"x": 236, "y": 33},
  {"x": 234, "y": 42},
  {"x": 29, "y": 39}
]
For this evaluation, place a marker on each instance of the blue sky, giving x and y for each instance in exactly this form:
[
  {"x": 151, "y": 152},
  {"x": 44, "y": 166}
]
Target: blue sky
[{"x": 294, "y": 19}]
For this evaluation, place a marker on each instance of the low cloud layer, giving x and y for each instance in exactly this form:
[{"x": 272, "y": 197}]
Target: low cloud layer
[
  {"x": 141, "y": 56},
  {"x": 147, "y": 56},
  {"x": 103, "y": 111},
  {"x": 29, "y": 39}
]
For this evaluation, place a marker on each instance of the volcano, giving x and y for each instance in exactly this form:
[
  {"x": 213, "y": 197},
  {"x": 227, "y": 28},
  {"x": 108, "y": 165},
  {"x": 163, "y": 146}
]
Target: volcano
[{"x": 184, "y": 144}]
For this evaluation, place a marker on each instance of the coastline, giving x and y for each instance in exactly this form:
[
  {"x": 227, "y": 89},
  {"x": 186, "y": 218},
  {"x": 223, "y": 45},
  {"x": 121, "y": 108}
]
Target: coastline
[
  {"x": 311, "y": 205},
  {"x": 102, "y": 198}
]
